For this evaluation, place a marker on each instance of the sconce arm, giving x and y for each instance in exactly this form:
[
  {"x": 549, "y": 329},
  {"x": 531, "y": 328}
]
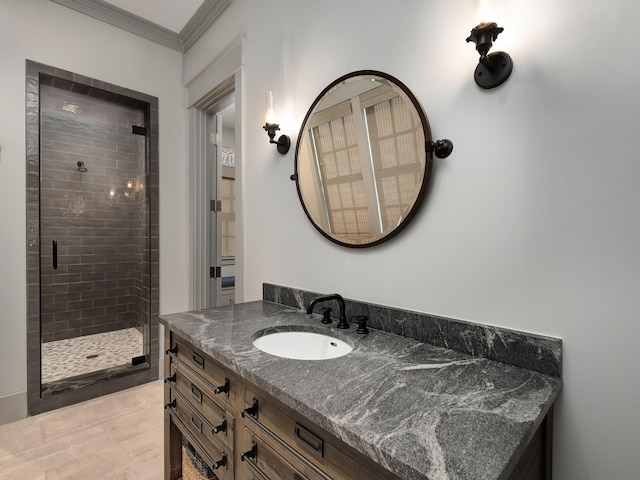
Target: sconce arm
[
  {"x": 283, "y": 143},
  {"x": 493, "y": 69}
]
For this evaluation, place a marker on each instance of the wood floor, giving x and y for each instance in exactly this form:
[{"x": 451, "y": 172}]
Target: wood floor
[{"x": 115, "y": 437}]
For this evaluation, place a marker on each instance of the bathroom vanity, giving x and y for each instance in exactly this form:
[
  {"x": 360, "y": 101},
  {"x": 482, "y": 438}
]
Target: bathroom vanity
[{"x": 394, "y": 408}]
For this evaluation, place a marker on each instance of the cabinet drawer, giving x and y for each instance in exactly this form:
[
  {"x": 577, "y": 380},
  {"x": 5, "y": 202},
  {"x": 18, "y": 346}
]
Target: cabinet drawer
[
  {"x": 203, "y": 439},
  {"x": 215, "y": 377},
  {"x": 301, "y": 437},
  {"x": 221, "y": 424},
  {"x": 261, "y": 461}
]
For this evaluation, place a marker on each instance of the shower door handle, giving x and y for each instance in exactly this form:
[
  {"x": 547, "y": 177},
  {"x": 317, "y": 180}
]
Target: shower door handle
[{"x": 55, "y": 254}]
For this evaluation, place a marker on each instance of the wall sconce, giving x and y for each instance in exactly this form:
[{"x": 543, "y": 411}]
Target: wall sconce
[
  {"x": 271, "y": 125},
  {"x": 493, "y": 69}
]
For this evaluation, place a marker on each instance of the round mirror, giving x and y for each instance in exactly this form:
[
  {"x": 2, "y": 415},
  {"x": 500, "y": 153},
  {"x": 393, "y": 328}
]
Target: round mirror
[{"x": 363, "y": 159}]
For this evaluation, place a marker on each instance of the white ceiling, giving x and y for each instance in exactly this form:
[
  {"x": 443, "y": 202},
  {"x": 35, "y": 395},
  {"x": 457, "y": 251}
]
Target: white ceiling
[
  {"x": 171, "y": 14},
  {"x": 176, "y": 24}
]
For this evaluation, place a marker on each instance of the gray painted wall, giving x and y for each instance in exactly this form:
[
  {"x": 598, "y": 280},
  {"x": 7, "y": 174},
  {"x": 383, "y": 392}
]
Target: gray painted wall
[{"x": 531, "y": 223}]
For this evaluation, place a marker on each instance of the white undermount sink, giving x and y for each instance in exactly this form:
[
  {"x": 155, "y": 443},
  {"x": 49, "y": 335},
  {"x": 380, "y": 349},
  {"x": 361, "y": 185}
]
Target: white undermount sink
[{"x": 301, "y": 345}]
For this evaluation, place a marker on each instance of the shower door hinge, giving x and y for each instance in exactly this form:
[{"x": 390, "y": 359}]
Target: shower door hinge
[
  {"x": 216, "y": 206},
  {"x": 136, "y": 130},
  {"x": 215, "y": 272}
]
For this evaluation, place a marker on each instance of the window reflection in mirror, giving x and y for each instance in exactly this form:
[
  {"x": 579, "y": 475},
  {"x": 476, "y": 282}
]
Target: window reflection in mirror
[{"x": 361, "y": 161}]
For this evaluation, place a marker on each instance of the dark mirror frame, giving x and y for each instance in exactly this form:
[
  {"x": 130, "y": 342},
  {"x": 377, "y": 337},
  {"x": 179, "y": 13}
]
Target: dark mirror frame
[{"x": 430, "y": 147}]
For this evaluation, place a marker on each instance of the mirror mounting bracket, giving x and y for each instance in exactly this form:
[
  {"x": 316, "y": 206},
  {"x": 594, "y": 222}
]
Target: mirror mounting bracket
[{"x": 440, "y": 148}]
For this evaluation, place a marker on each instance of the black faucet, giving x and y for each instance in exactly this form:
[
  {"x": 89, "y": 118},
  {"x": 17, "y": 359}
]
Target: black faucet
[{"x": 342, "y": 320}]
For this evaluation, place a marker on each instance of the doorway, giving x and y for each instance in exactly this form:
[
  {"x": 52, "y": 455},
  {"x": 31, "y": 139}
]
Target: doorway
[
  {"x": 92, "y": 217},
  {"x": 222, "y": 217},
  {"x": 214, "y": 158}
]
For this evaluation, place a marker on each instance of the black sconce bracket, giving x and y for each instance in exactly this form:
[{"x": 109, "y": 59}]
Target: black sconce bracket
[
  {"x": 440, "y": 148},
  {"x": 283, "y": 143},
  {"x": 493, "y": 68}
]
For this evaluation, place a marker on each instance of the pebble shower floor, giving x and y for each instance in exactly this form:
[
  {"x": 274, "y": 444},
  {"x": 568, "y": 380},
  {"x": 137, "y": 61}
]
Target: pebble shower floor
[{"x": 80, "y": 355}]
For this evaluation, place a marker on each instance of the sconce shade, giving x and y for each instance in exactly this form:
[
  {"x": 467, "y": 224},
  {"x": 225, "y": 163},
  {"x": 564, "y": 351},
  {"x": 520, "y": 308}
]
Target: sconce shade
[
  {"x": 271, "y": 116},
  {"x": 493, "y": 68}
]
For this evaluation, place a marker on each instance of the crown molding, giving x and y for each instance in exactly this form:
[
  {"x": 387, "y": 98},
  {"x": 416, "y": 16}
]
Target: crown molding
[{"x": 204, "y": 17}]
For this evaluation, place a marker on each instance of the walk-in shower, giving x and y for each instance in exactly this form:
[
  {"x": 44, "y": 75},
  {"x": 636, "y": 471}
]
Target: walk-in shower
[{"x": 92, "y": 227}]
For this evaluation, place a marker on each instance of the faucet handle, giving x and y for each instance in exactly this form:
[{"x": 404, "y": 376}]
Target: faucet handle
[
  {"x": 362, "y": 324},
  {"x": 326, "y": 315}
]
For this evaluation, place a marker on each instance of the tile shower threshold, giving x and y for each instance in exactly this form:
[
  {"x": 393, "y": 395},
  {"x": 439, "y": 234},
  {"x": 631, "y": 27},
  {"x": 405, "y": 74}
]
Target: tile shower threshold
[{"x": 80, "y": 381}]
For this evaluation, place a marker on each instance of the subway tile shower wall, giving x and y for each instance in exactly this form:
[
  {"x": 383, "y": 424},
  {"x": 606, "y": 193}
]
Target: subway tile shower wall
[{"x": 98, "y": 217}]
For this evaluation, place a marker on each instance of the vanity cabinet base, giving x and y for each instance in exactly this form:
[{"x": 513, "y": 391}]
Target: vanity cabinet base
[
  {"x": 535, "y": 463},
  {"x": 225, "y": 417}
]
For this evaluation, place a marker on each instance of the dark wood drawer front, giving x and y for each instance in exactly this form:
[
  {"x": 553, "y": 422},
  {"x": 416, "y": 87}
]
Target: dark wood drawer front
[
  {"x": 262, "y": 461},
  {"x": 199, "y": 429},
  {"x": 301, "y": 436},
  {"x": 221, "y": 423},
  {"x": 216, "y": 378}
]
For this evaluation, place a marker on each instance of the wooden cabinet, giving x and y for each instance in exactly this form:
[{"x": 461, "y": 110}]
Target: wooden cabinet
[
  {"x": 242, "y": 432},
  {"x": 200, "y": 407}
]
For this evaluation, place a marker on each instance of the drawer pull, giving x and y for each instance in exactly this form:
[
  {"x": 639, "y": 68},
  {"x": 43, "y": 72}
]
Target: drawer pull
[
  {"x": 252, "y": 410},
  {"x": 288, "y": 448},
  {"x": 186, "y": 433},
  {"x": 222, "y": 388},
  {"x": 198, "y": 359},
  {"x": 253, "y": 453},
  {"x": 196, "y": 393},
  {"x": 220, "y": 463},
  {"x": 170, "y": 405},
  {"x": 222, "y": 428},
  {"x": 257, "y": 473},
  {"x": 196, "y": 423},
  {"x": 311, "y": 442},
  {"x": 173, "y": 350},
  {"x": 171, "y": 379}
]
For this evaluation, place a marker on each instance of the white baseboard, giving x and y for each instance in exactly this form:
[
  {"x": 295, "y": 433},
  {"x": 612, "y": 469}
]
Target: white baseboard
[{"x": 13, "y": 408}]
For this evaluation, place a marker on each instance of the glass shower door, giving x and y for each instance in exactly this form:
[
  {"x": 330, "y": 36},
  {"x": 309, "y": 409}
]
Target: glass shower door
[{"x": 94, "y": 237}]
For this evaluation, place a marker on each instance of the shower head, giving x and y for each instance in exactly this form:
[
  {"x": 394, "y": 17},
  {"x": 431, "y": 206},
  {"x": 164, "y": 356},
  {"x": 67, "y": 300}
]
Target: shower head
[{"x": 81, "y": 167}]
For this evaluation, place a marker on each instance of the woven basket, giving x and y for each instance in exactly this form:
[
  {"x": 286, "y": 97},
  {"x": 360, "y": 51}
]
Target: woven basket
[{"x": 193, "y": 467}]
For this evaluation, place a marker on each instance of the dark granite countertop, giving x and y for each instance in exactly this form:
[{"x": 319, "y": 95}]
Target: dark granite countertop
[{"x": 422, "y": 411}]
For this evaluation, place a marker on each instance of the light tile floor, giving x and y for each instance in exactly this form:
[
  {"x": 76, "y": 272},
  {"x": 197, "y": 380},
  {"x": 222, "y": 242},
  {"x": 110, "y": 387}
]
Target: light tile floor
[
  {"x": 90, "y": 353},
  {"x": 115, "y": 437}
]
